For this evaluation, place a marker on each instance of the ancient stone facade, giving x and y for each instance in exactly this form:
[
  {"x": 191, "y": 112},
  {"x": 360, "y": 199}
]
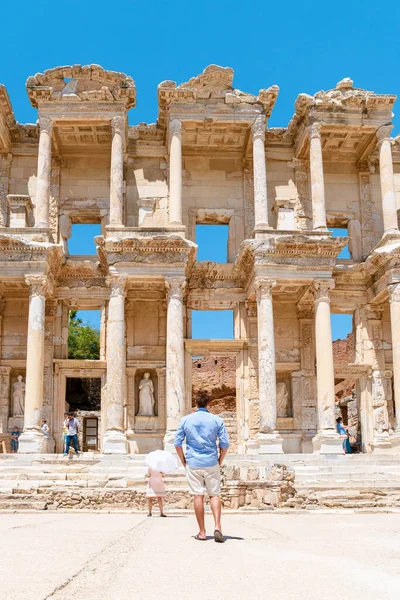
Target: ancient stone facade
[{"x": 209, "y": 159}]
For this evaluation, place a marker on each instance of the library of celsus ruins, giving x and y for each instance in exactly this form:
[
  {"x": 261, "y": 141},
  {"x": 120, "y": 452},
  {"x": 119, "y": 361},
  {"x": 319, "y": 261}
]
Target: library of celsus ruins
[{"x": 210, "y": 159}]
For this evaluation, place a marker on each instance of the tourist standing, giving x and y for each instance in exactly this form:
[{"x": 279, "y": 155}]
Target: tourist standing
[
  {"x": 65, "y": 431},
  {"x": 202, "y": 463},
  {"x": 14, "y": 439},
  {"x": 155, "y": 489},
  {"x": 343, "y": 431},
  {"x": 72, "y": 435}
]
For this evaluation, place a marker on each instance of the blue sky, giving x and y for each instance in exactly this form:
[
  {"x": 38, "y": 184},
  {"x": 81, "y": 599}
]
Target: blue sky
[{"x": 300, "y": 46}]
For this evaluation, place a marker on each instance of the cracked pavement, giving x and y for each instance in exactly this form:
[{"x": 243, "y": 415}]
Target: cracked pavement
[{"x": 98, "y": 556}]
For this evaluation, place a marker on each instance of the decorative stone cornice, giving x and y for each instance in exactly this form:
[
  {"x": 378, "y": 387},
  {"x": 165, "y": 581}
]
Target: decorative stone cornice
[
  {"x": 394, "y": 292},
  {"x": 175, "y": 287},
  {"x": 322, "y": 288},
  {"x": 39, "y": 285},
  {"x": 263, "y": 287},
  {"x": 258, "y": 129}
]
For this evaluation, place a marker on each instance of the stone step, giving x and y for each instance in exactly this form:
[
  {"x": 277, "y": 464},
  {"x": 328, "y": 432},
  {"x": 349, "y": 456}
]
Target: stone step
[{"x": 376, "y": 484}]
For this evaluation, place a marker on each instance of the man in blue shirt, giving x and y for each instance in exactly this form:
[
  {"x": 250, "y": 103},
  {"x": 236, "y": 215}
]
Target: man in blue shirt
[{"x": 201, "y": 430}]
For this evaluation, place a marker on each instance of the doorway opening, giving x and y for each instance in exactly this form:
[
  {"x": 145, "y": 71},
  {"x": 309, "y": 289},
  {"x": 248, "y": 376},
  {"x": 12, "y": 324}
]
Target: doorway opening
[
  {"x": 83, "y": 397},
  {"x": 216, "y": 377}
]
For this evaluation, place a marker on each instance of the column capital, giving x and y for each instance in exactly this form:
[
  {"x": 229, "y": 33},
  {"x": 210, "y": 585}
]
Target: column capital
[
  {"x": 263, "y": 286},
  {"x": 258, "y": 128},
  {"x": 394, "y": 292},
  {"x": 118, "y": 125},
  {"x": 175, "y": 287},
  {"x": 117, "y": 285},
  {"x": 305, "y": 311},
  {"x": 39, "y": 285},
  {"x": 314, "y": 131},
  {"x": 299, "y": 165},
  {"x": 383, "y": 133},
  {"x": 175, "y": 127},
  {"x": 46, "y": 124},
  {"x": 321, "y": 288}
]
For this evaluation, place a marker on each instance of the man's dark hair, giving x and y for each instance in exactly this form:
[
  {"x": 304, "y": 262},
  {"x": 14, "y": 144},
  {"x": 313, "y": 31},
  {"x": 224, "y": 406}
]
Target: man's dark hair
[
  {"x": 202, "y": 398},
  {"x": 339, "y": 419}
]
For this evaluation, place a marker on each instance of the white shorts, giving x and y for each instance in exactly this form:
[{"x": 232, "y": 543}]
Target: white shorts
[{"x": 206, "y": 479}]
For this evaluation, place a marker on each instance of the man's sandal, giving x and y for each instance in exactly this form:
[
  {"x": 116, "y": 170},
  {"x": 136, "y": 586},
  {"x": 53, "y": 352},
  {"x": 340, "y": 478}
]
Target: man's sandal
[
  {"x": 201, "y": 539},
  {"x": 218, "y": 537}
]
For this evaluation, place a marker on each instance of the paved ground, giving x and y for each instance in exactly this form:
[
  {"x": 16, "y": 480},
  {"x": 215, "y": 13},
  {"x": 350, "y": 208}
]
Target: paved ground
[{"x": 269, "y": 556}]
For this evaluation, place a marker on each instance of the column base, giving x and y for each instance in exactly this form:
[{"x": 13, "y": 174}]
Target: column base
[
  {"x": 327, "y": 442},
  {"x": 381, "y": 442},
  {"x": 270, "y": 443},
  {"x": 169, "y": 439},
  {"x": 115, "y": 442},
  {"x": 31, "y": 441},
  {"x": 395, "y": 442}
]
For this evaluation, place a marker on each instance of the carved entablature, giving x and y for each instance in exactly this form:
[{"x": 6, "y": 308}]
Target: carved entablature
[
  {"x": 72, "y": 84},
  {"x": 15, "y": 248},
  {"x": 214, "y": 84},
  {"x": 344, "y": 105},
  {"x": 211, "y": 275},
  {"x": 383, "y": 267},
  {"x": 163, "y": 250}
]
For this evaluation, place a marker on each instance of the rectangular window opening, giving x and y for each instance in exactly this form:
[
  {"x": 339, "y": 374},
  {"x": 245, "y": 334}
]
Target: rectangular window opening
[
  {"x": 84, "y": 335},
  {"x": 81, "y": 242},
  {"x": 343, "y": 338},
  {"x": 212, "y": 325},
  {"x": 212, "y": 241},
  {"x": 341, "y": 232}
]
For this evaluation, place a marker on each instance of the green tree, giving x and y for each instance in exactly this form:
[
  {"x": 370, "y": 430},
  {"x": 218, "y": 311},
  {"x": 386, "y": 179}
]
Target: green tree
[{"x": 83, "y": 340}]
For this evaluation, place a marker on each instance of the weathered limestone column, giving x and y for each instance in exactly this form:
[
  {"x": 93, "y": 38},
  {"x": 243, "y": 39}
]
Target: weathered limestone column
[
  {"x": 259, "y": 173},
  {"x": 43, "y": 173},
  {"x": 326, "y": 440},
  {"x": 175, "y": 358},
  {"x": 389, "y": 206},
  {"x": 269, "y": 439},
  {"x": 117, "y": 171},
  {"x": 175, "y": 172},
  {"x": 31, "y": 440},
  {"x": 317, "y": 178},
  {"x": 394, "y": 300},
  {"x": 114, "y": 441}
]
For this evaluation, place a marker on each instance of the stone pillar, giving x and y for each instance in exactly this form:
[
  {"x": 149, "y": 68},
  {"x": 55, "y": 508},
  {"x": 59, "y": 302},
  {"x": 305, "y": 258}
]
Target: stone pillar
[
  {"x": 103, "y": 329},
  {"x": 43, "y": 173},
  {"x": 114, "y": 441},
  {"x": 303, "y": 216},
  {"x": 259, "y": 173},
  {"x": 269, "y": 439},
  {"x": 117, "y": 172},
  {"x": 31, "y": 440},
  {"x": 317, "y": 178},
  {"x": 326, "y": 440},
  {"x": 175, "y": 358},
  {"x": 394, "y": 300},
  {"x": 175, "y": 172},
  {"x": 389, "y": 206}
]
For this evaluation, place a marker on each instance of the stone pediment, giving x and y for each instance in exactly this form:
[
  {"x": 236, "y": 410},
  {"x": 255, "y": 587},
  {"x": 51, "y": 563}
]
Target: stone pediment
[
  {"x": 74, "y": 84},
  {"x": 212, "y": 87}
]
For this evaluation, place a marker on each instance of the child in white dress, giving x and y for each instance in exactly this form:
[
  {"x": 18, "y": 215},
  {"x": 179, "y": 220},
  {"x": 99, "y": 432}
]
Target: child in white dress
[{"x": 155, "y": 489}]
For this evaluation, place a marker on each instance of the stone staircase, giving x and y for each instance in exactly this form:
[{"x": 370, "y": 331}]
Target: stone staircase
[
  {"x": 299, "y": 481},
  {"x": 341, "y": 481}
]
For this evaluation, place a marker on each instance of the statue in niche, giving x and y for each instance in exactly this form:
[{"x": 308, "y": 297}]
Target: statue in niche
[
  {"x": 146, "y": 397},
  {"x": 282, "y": 399},
  {"x": 18, "y": 397}
]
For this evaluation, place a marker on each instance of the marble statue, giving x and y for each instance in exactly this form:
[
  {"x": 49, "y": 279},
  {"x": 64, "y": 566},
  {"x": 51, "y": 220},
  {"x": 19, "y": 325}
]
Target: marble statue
[
  {"x": 18, "y": 397},
  {"x": 146, "y": 396},
  {"x": 282, "y": 399}
]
